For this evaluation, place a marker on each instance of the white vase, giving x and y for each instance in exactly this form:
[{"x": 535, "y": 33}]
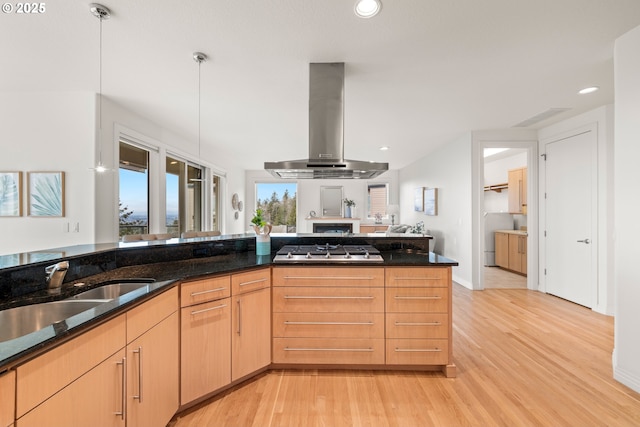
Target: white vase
[{"x": 263, "y": 244}]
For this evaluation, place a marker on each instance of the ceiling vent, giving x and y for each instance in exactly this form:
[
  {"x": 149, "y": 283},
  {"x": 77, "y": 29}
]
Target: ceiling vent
[{"x": 541, "y": 117}]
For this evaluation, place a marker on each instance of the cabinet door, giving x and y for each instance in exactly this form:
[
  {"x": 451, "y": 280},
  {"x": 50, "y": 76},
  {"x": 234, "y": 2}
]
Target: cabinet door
[
  {"x": 152, "y": 375},
  {"x": 502, "y": 250},
  {"x": 94, "y": 399},
  {"x": 517, "y": 191},
  {"x": 523, "y": 254},
  {"x": 515, "y": 257},
  {"x": 251, "y": 332},
  {"x": 205, "y": 346},
  {"x": 7, "y": 398}
]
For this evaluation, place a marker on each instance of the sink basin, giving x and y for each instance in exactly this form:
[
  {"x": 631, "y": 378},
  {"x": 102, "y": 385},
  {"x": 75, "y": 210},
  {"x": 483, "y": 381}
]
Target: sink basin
[
  {"x": 20, "y": 321},
  {"x": 108, "y": 292}
]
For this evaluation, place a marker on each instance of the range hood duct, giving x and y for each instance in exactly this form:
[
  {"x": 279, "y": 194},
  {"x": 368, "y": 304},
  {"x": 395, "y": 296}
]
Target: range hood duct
[{"x": 326, "y": 133}]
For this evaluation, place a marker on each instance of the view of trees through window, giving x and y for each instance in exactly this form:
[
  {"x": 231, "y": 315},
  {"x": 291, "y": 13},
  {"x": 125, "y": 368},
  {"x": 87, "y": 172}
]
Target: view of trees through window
[{"x": 278, "y": 201}]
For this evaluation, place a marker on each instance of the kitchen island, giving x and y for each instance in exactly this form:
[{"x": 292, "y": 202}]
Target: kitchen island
[{"x": 241, "y": 288}]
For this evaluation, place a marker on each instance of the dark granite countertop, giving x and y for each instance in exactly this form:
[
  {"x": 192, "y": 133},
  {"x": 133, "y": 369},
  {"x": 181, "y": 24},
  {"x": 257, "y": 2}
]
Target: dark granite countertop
[{"x": 166, "y": 274}]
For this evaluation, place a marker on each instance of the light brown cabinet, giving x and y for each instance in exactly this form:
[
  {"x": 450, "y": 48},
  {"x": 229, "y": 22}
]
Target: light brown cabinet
[
  {"x": 251, "y": 322},
  {"x": 511, "y": 251},
  {"x": 373, "y": 228},
  {"x": 517, "y": 191},
  {"x": 123, "y": 372},
  {"x": 328, "y": 315},
  {"x": 7, "y": 398},
  {"x": 418, "y": 317},
  {"x": 205, "y": 341}
]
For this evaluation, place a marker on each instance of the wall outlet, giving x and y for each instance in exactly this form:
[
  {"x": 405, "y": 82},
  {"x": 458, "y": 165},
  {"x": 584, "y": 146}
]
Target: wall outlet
[{"x": 76, "y": 227}]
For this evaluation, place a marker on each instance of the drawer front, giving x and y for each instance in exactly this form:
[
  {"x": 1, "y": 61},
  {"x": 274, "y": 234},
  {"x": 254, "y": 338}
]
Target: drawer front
[
  {"x": 145, "y": 316},
  {"x": 250, "y": 281},
  {"x": 330, "y": 351},
  {"x": 328, "y": 276},
  {"x": 43, "y": 376},
  {"x": 204, "y": 290},
  {"x": 328, "y": 300},
  {"x": 413, "y": 277},
  {"x": 417, "y": 352},
  {"x": 417, "y": 325},
  {"x": 328, "y": 325},
  {"x": 417, "y": 300}
]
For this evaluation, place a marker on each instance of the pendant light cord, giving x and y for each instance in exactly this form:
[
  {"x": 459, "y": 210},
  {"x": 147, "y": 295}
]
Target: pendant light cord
[
  {"x": 199, "y": 108},
  {"x": 100, "y": 100}
]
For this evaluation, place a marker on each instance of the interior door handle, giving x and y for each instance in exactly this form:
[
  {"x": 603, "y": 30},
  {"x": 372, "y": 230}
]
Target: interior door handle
[{"x": 585, "y": 241}]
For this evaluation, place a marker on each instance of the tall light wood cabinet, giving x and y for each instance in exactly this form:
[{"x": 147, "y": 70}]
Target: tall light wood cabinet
[
  {"x": 517, "y": 183},
  {"x": 205, "y": 341},
  {"x": 251, "y": 322}
]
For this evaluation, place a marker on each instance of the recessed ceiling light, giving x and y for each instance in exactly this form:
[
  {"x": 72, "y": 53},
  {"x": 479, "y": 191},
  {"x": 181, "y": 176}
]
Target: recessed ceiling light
[
  {"x": 367, "y": 8},
  {"x": 385, "y": 148},
  {"x": 586, "y": 90}
]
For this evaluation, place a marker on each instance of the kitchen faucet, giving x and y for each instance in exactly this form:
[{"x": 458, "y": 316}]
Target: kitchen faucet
[{"x": 55, "y": 276}]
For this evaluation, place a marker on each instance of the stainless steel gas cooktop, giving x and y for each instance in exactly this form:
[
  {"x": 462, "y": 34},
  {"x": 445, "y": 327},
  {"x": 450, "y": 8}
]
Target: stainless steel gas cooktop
[{"x": 328, "y": 253}]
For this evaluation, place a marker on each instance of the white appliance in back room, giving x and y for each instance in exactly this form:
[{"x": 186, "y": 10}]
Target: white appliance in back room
[{"x": 494, "y": 221}]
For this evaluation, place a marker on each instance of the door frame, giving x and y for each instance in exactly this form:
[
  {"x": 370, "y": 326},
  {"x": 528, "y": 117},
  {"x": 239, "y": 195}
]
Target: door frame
[{"x": 514, "y": 138}]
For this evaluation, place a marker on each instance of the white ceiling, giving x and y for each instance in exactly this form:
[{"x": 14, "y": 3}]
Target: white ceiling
[{"x": 417, "y": 75}]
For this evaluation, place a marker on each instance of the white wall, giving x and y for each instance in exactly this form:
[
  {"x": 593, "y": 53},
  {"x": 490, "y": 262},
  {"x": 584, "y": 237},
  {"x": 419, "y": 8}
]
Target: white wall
[
  {"x": 602, "y": 119},
  {"x": 56, "y": 131},
  {"x": 449, "y": 170},
  {"x": 626, "y": 359},
  {"x": 308, "y": 197},
  {"x": 49, "y": 132}
]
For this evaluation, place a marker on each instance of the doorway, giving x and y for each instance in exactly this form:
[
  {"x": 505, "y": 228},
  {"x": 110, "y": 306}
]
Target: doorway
[{"x": 504, "y": 214}]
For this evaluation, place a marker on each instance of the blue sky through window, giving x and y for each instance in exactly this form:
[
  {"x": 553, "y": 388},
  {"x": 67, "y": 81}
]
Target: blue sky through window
[{"x": 264, "y": 190}]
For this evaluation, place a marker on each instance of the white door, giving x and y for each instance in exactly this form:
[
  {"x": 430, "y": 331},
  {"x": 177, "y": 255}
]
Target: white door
[{"x": 571, "y": 203}]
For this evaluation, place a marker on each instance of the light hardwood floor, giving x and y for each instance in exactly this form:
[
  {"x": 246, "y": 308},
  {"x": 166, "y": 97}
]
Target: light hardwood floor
[
  {"x": 524, "y": 358},
  {"x": 498, "y": 278}
]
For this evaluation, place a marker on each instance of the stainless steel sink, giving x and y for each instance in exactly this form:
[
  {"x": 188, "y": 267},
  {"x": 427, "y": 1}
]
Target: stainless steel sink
[
  {"x": 108, "y": 292},
  {"x": 19, "y": 321}
]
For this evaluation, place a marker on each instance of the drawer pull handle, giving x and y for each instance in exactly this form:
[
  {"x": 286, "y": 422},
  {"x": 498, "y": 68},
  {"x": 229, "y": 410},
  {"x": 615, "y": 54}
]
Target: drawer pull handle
[
  {"x": 329, "y": 277},
  {"x": 433, "y": 297},
  {"x": 418, "y": 350},
  {"x": 287, "y": 322},
  {"x": 208, "y": 291},
  {"x": 418, "y": 323},
  {"x": 123, "y": 412},
  {"x": 139, "y": 395},
  {"x": 251, "y": 282},
  {"x": 329, "y": 349},
  {"x": 417, "y": 278},
  {"x": 323, "y": 297},
  {"x": 204, "y": 310}
]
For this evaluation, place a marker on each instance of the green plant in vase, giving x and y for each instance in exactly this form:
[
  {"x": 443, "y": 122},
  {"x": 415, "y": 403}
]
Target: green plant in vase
[
  {"x": 259, "y": 224},
  {"x": 349, "y": 206}
]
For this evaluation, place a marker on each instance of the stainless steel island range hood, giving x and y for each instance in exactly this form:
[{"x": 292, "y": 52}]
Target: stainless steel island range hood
[{"x": 326, "y": 133}]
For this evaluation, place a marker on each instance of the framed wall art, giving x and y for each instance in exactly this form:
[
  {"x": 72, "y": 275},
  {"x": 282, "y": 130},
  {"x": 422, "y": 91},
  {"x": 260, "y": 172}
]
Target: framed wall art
[
  {"x": 431, "y": 201},
  {"x": 10, "y": 193},
  {"x": 418, "y": 202},
  {"x": 46, "y": 194}
]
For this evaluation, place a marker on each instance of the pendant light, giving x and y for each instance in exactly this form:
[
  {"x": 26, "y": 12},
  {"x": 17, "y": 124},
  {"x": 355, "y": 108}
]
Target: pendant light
[
  {"x": 199, "y": 57},
  {"x": 101, "y": 12}
]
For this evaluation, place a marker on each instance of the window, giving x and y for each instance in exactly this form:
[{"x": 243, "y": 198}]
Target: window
[
  {"x": 278, "y": 201},
  {"x": 184, "y": 196},
  {"x": 377, "y": 199},
  {"x": 215, "y": 203},
  {"x": 134, "y": 190}
]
